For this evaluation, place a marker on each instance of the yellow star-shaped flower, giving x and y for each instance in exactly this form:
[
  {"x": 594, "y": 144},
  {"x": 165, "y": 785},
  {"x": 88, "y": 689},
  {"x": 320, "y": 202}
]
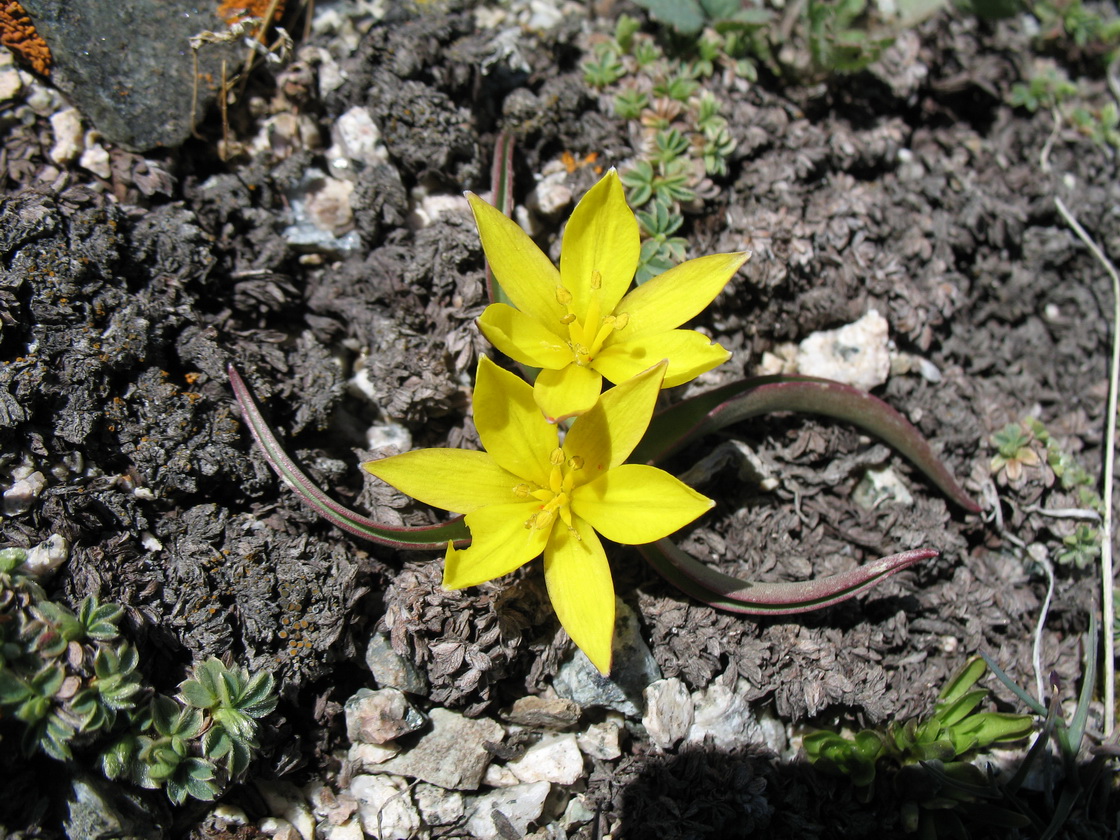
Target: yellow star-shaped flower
[
  {"x": 530, "y": 492},
  {"x": 579, "y": 324}
]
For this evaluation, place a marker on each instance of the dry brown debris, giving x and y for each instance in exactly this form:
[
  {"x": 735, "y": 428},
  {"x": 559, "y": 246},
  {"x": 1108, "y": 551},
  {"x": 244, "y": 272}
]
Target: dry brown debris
[
  {"x": 233, "y": 11},
  {"x": 18, "y": 34}
]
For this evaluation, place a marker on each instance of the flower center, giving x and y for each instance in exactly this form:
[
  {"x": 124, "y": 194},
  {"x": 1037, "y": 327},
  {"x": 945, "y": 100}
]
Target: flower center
[
  {"x": 587, "y": 335},
  {"x": 556, "y": 498}
]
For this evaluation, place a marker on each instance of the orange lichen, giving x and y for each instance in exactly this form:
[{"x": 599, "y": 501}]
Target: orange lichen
[
  {"x": 571, "y": 163},
  {"x": 231, "y": 11},
  {"x": 18, "y": 34}
]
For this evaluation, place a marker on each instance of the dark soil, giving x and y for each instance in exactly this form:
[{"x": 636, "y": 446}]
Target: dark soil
[{"x": 119, "y": 315}]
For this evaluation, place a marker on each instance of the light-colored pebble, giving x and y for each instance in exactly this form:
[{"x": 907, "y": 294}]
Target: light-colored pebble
[
  {"x": 857, "y": 354},
  {"x": 498, "y": 775},
  {"x": 375, "y": 717},
  {"x": 385, "y": 807},
  {"x": 278, "y": 829},
  {"x": 359, "y": 138},
  {"x": 11, "y": 85},
  {"x": 554, "y": 758},
  {"x": 286, "y": 801},
  {"x": 668, "y": 714},
  {"x": 721, "y": 713},
  {"x": 601, "y": 740},
  {"x": 368, "y": 756},
  {"x": 492, "y": 815},
  {"x": 537, "y": 712},
  {"x": 349, "y": 830},
  {"x": 47, "y": 555},
  {"x": 452, "y": 754},
  {"x": 69, "y": 138},
  {"x": 438, "y": 806},
  {"x": 96, "y": 159},
  {"x": 22, "y": 494},
  {"x": 879, "y": 487}
]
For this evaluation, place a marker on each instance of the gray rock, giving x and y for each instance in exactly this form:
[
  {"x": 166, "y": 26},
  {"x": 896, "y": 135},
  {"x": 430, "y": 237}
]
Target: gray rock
[
  {"x": 452, "y": 754},
  {"x": 127, "y": 64},
  {"x": 375, "y": 717},
  {"x": 494, "y": 814},
  {"x": 99, "y": 810},
  {"x": 536, "y": 712},
  {"x": 389, "y": 669},
  {"x": 668, "y": 714},
  {"x": 634, "y": 669}
]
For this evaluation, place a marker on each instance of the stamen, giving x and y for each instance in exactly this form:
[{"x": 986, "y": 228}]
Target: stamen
[
  {"x": 563, "y": 296},
  {"x": 556, "y": 457},
  {"x": 523, "y": 491},
  {"x": 567, "y": 319},
  {"x": 621, "y": 320},
  {"x": 575, "y": 462},
  {"x": 596, "y": 279}
]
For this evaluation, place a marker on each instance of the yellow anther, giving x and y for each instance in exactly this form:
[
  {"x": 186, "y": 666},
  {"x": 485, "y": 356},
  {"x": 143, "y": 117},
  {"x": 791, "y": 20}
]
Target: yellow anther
[
  {"x": 575, "y": 462},
  {"x": 563, "y": 296},
  {"x": 620, "y": 321},
  {"x": 596, "y": 279},
  {"x": 556, "y": 457},
  {"x": 567, "y": 319},
  {"x": 523, "y": 491}
]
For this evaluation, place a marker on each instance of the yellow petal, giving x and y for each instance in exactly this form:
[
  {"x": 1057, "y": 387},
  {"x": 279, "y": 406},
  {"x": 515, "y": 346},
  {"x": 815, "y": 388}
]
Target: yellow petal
[
  {"x": 525, "y": 273},
  {"x": 579, "y": 584},
  {"x": 635, "y": 504},
  {"x": 605, "y": 436},
  {"x": 567, "y": 392},
  {"x": 601, "y": 236},
  {"x": 500, "y": 543},
  {"x": 524, "y": 339},
  {"x": 510, "y": 424},
  {"x": 671, "y": 298},
  {"x": 689, "y": 353},
  {"x": 458, "y": 480}
]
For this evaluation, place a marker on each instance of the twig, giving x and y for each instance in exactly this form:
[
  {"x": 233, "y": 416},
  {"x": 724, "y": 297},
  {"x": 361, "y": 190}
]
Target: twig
[
  {"x": 1107, "y": 610},
  {"x": 1036, "y": 651}
]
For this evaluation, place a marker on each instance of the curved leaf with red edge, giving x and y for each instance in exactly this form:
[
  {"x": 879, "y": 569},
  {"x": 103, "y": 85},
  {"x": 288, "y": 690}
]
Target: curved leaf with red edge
[
  {"x": 430, "y": 537},
  {"x": 688, "y": 421}
]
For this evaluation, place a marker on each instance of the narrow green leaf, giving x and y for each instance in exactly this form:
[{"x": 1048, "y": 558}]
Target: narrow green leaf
[{"x": 964, "y": 678}]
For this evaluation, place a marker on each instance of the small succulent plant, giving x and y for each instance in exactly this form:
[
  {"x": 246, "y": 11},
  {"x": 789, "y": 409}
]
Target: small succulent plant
[
  {"x": 76, "y": 687},
  {"x": 929, "y": 760}
]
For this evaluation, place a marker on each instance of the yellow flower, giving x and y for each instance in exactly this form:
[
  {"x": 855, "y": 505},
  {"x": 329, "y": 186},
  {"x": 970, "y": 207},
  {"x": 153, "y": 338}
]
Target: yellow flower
[
  {"x": 577, "y": 323},
  {"x": 530, "y": 493}
]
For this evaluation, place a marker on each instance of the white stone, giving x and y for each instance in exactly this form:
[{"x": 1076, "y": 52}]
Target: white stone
[
  {"x": 349, "y": 830},
  {"x": 721, "y": 712},
  {"x": 47, "y": 555},
  {"x": 22, "y": 494},
  {"x": 551, "y": 196},
  {"x": 285, "y": 800},
  {"x": 359, "y": 137},
  {"x": 229, "y": 815},
  {"x": 385, "y": 807},
  {"x": 554, "y": 758},
  {"x": 328, "y": 206},
  {"x": 520, "y": 805},
  {"x": 438, "y": 806},
  {"x": 10, "y": 84},
  {"x": 498, "y": 776},
  {"x": 601, "y": 740},
  {"x": 878, "y": 487},
  {"x": 576, "y": 814},
  {"x": 278, "y": 829},
  {"x": 668, "y": 714},
  {"x": 857, "y": 354},
  {"x": 96, "y": 159},
  {"x": 429, "y": 209},
  {"x": 368, "y": 756},
  {"x": 69, "y": 138}
]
